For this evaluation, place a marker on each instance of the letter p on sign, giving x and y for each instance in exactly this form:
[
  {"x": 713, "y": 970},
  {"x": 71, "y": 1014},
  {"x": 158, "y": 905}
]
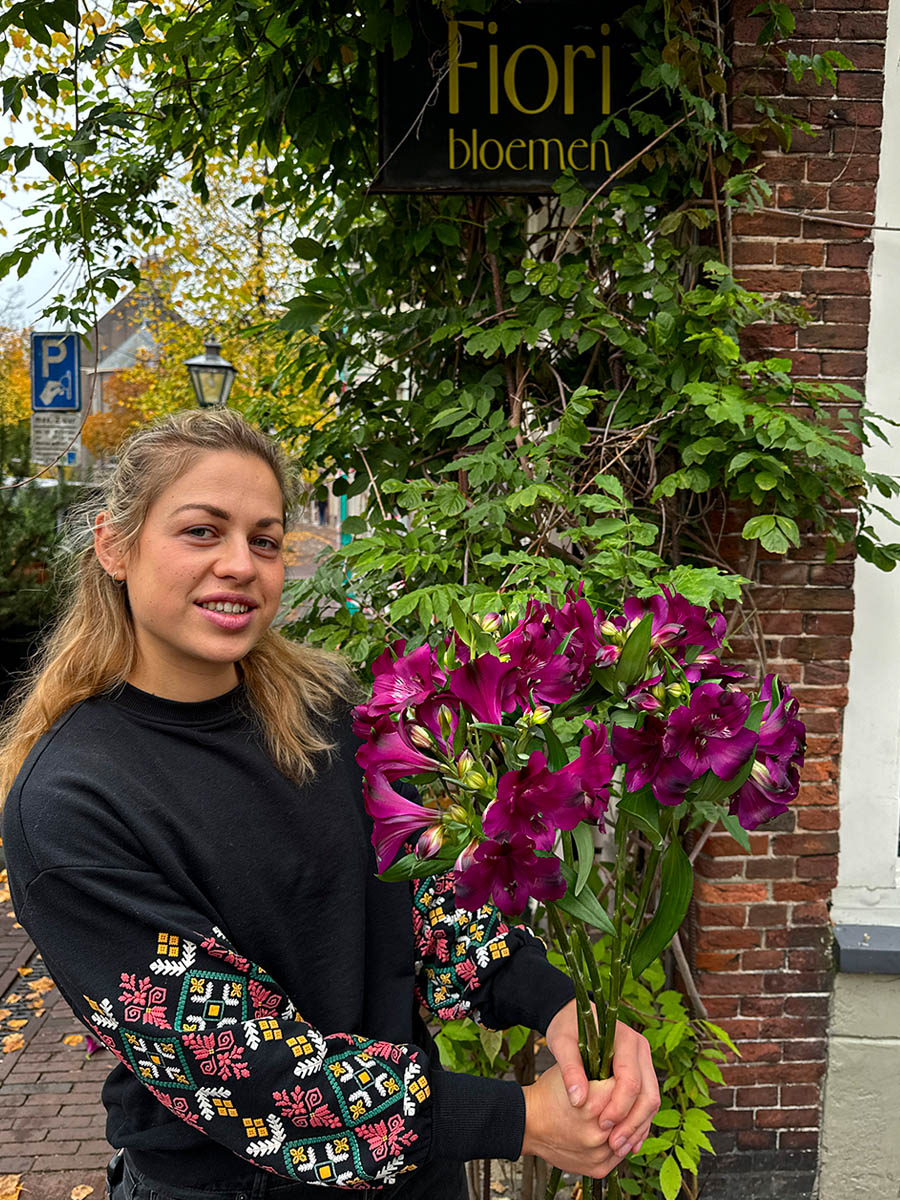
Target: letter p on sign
[{"x": 51, "y": 353}]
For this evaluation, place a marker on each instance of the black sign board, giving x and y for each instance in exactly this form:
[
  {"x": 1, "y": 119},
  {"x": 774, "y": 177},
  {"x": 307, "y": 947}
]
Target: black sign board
[{"x": 505, "y": 101}]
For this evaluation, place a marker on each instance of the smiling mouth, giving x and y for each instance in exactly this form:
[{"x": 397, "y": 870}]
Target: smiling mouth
[{"x": 224, "y": 606}]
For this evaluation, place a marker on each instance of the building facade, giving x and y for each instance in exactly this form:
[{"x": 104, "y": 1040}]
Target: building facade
[{"x": 795, "y": 944}]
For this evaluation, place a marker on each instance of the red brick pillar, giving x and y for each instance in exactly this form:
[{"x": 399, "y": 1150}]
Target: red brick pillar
[{"x": 763, "y": 940}]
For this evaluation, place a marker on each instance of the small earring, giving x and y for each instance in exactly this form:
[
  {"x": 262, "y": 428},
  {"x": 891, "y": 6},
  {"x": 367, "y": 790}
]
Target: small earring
[{"x": 117, "y": 578}]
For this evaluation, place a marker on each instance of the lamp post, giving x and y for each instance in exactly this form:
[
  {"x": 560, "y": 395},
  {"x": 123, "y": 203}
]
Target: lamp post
[{"x": 212, "y": 376}]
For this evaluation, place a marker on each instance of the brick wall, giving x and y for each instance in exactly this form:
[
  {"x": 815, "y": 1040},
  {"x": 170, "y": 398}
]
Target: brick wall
[{"x": 762, "y": 942}]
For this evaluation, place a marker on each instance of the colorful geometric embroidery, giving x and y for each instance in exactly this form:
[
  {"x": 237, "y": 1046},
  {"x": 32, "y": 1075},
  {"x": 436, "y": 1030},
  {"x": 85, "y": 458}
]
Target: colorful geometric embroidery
[
  {"x": 350, "y": 1122},
  {"x": 453, "y": 947},
  {"x": 209, "y": 999},
  {"x": 157, "y": 1060}
]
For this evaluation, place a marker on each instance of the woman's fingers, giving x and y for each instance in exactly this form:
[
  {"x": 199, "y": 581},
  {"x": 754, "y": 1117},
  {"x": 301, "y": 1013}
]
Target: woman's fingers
[{"x": 635, "y": 1096}]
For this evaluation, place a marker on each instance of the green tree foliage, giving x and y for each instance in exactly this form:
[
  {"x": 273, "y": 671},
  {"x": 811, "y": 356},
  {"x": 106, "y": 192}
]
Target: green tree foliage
[{"x": 530, "y": 391}]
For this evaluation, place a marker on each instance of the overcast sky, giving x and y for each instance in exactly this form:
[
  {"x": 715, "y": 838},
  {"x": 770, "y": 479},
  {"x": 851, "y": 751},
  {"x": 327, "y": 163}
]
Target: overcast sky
[{"x": 21, "y": 300}]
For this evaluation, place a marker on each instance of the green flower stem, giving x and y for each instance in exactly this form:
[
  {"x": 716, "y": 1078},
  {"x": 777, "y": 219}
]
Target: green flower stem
[
  {"x": 553, "y": 1183},
  {"x": 642, "y": 902},
  {"x": 590, "y": 1046},
  {"x": 587, "y": 953},
  {"x": 617, "y": 970}
]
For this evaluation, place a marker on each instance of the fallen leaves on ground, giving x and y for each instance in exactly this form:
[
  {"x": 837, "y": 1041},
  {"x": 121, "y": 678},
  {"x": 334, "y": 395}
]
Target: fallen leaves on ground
[
  {"x": 4, "y": 1013},
  {"x": 77, "y": 1193},
  {"x": 10, "y": 1187},
  {"x": 13, "y": 1042},
  {"x": 23, "y": 971},
  {"x": 18, "y": 1023},
  {"x": 73, "y": 1039},
  {"x": 13, "y": 998},
  {"x": 44, "y": 984}
]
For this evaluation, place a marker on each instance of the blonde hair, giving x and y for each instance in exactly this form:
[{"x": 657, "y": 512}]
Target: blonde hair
[{"x": 293, "y": 689}]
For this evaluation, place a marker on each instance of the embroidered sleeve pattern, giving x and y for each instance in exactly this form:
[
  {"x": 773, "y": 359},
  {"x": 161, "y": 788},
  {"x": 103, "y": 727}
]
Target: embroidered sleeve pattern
[
  {"x": 458, "y": 952},
  {"x": 211, "y": 1036}
]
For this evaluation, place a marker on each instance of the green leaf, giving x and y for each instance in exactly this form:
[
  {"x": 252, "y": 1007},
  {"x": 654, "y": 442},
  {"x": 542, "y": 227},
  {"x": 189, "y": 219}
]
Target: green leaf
[
  {"x": 516, "y": 1037},
  {"x": 505, "y": 731},
  {"x": 354, "y": 525},
  {"x": 584, "y": 844},
  {"x": 304, "y": 313},
  {"x": 643, "y": 811},
  {"x": 632, "y": 662},
  {"x": 556, "y": 754},
  {"x": 676, "y": 886},
  {"x": 713, "y": 790},
  {"x": 491, "y": 1041},
  {"x": 667, "y": 1118},
  {"x": 585, "y": 907},
  {"x": 670, "y": 1178},
  {"x": 736, "y": 829},
  {"x": 410, "y": 867}
]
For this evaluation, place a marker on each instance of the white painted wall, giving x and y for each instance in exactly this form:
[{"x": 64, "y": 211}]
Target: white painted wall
[
  {"x": 860, "y": 1150},
  {"x": 867, "y": 891}
]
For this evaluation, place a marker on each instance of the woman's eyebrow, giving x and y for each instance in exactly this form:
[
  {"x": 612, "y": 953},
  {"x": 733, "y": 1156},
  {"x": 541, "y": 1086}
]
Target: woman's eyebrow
[{"x": 213, "y": 511}]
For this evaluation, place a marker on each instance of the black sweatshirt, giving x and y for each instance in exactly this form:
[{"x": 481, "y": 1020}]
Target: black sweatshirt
[{"x": 222, "y": 931}]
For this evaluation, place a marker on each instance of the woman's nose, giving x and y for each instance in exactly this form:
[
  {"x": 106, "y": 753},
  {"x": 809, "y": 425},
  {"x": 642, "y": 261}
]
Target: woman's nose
[{"x": 236, "y": 560}]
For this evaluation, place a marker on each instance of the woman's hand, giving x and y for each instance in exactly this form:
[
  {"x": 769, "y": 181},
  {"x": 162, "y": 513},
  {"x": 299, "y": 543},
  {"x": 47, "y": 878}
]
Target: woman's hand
[
  {"x": 634, "y": 1097},
  {"x": 565, "y": 1136}
]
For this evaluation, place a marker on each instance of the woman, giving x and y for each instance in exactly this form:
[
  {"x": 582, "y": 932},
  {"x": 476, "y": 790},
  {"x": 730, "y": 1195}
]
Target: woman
[{"x": 187, "y": 846}]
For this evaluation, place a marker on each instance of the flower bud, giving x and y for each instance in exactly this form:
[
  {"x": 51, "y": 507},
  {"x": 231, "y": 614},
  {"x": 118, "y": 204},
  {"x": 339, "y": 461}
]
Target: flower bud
[
  {"x": 466, "y": 857},
  {"x": 676, "y": 689},
  {"x": 475, "y": 779},
  {"x": 608, "y": 629},
  {"x": 445, "y": 718},
  {"x": 540, "y": 714},
  {"x": 420, "y": 737},
  {"x": 659, "y": 691},
  {"x": 464, "y": 764},
  {"x": 491, "y": 622},
  {"x": 430, "y": 842},
  {"x": 457, "y": 814}
]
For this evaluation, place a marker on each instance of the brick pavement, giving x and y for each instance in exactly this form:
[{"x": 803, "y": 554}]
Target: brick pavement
[{"x": 51, "y": 1120}]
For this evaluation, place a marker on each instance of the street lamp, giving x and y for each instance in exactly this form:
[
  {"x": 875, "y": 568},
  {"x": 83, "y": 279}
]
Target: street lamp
[{"x": 212, "y": 376}]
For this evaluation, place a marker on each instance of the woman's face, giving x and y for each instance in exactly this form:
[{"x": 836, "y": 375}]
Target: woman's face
[{"x": 204, "y": 578}]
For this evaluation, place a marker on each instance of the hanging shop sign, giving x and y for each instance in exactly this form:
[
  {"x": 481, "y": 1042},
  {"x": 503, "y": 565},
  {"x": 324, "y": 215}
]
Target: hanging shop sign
[{"x": 505, "y": 101}]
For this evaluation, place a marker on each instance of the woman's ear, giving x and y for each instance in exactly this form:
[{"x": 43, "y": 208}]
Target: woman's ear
[{"x": 106, "y": 549}]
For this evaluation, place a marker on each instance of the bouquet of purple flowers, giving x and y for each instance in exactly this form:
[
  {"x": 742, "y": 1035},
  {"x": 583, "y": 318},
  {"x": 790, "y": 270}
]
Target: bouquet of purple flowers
[{"x": 526, "y": 737}]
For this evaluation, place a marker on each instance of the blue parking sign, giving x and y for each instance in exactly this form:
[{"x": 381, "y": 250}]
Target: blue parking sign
[{"x": 55, "y": 372}]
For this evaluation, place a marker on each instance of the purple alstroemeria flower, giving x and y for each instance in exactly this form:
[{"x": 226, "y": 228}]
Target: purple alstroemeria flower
[
  {"x": 766, "y": 794},
  {"x": 671, "y": 782},
  {"x": 593, "y": 770},
  {"x": 576, "y": 617},
  {"x": 708, "y": 665},
  {"x": 392, "y": 753},
  {"x": 386, "y": 659},
  {"x": 395, "y": 818},
  {"x": 534, "y": 802},
  {"x": 410, "y": 680},
  {"x": 531, "y": 647},
  {"x": 775, "y": 777},
  {"x": 509, "y": 873},
  {"x": 709, "y": 734},
  {"x": 640, "y": 750},
  {"x": 676, "y": 622},
  {"x": 429, "y": 713},
  {"x": 641, "y": 695},
  {"x": 486, "y": 686},
  {"x": 781, "y": 734}
]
